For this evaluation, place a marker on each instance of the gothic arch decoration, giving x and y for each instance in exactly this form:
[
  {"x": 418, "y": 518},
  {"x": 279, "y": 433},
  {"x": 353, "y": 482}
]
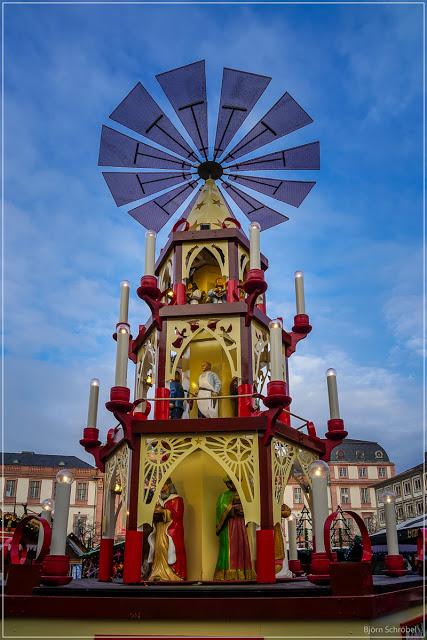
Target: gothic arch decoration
[
  {"x": 305, "y": 458},
  {"x": 116, "y": 469},
  {"x": 283, "y": 456},
  {"x": 225, "y": 332},
  {"x": 243, "y": 257},
  {"x": 260, "y": 359},
  {"x": 165, "y": 275},
  {"x": 218, "y": 250},
  {"x": 236, "y": 454},
  {"x": 146, "y": 362}
]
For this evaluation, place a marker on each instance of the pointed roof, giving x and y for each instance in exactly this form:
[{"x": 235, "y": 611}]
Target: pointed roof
[{"x": 209, "y": 208}]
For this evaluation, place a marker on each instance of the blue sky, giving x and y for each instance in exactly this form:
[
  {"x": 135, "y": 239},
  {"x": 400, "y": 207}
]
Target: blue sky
[{"x": 357, "y": 70}]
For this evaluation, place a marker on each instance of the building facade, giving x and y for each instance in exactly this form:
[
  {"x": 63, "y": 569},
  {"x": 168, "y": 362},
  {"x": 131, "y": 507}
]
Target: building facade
[
  {"x": 354, "y": 466},
  {"x": 28, "y": 478},
  {"x": 410, "y": 489}
]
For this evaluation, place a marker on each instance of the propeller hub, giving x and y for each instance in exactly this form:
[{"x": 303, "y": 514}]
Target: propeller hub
[{"x": 210, "y": 169}]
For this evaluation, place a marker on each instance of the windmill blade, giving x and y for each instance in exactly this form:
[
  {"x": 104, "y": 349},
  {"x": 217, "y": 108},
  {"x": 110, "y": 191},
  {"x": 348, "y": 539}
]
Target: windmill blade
[
  {"x": 185, "y": 89},
  {"x": 139, "y": 112},
  {"x": 292, "y": 192},
  {"x": 306, "y": 156},
  {"x": 240, "y": 91},
  {"x": 283, "y": 118},
  {"x": 156, "y": 213},
  {"x": 253, "y": 209},
  {"x": 119, "y": 150},
  {"x": 128, "y": 187}
]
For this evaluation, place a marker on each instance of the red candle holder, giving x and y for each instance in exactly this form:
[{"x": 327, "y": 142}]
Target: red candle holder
[
  {"x": 277, "y": 395},
  {"x": 302, "y": 324},
  {"x": 151, "y": 294},
  {"x": 254, "y": 286},
  {"x": 395, "y": 566},
  {"x": 55, "y": 570},
  {"x": 296, "y": 568},
  {"x": 319, "y": 568}
]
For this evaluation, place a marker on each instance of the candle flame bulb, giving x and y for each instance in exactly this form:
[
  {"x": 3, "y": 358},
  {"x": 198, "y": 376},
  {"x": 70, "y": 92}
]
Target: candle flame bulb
[
  {"x": 124, "y": 301},
  {"x": 334, "y": 408},
  {"x": 92, "y": 412},
  {"x": 150, "y": 252},
  {"x": 299, "y": 292},
  {"x": 276, "y": 351},
  {"x": 318, "y": 472},
  {"x": 388, "y": 498},
  {"x": 254, "y": 245},
  {"x": 122, "y": 355}
]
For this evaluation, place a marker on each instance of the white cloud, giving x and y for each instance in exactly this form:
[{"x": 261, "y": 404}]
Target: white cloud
[{"x": 375, "y": 403}]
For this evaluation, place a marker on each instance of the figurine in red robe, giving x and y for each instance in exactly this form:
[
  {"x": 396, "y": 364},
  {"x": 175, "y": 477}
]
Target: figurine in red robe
[{"x": 167, "y": 550}]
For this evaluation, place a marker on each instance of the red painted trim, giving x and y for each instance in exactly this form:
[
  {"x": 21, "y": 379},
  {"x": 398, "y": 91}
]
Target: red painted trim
[
  {"x": 234, "y": 222},
  {"x": 179, "y": 293},
  {"x": 133, "y": 557},
  {"x": 152, "y": 296},
  {"x": 221, "y": 607},
  {"x": 366, "y": 541},
  {"x": 244, "y": 405},
  {"x": 181, "y": 221},
  {"x": 254, "y": 286},
  {"x": 266, "y": 485},
  {"x": 17, "y": 553},
  {"x": 106, "y": 559},
  {"x": 132, "y": 519},
  {"x": 55, "y": 570},
  {"x": 265, "y": 565},
  {"x": 161, "y": 408}
]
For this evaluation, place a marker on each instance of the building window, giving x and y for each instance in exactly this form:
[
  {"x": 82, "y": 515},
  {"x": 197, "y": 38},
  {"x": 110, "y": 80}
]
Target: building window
[
  {"x": 397, "y": 490},
  {"x": 364, "y": 495},
  {"x": 345, "y": 495},
  {"x": 368, "y": 520},
  {"x": 382, "y": 472},
  {"x": 410, "y": 510},
  {"x": 419, "y": 508},
  {"x": 407, "y": 488},
  {"x": 381, "y": 515},
  {"x": 343, "y": 472},
  {"x": 297, "y": 495},
  {"x": 34, "y": 490},
  {"x": 81, "y": 491},
  {"x": 79, "y": 525},
  {"x": 363, "y": 472},
  {"x": 10, "y": 489},
  {"x": 416, "y": 483},
  {"x": 399, "y": 513},
  {"x": 379, "y": 454}
]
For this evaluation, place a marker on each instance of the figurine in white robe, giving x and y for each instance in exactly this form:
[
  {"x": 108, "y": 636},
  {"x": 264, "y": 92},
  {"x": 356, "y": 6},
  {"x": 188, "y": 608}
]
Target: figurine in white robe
[{"x": 209, "y": 385}]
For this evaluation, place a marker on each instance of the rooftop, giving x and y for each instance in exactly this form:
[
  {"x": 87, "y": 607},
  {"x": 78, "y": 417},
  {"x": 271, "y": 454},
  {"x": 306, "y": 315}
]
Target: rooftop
[
  {"x": 359, "y": 451},
  {"x": 32, "y": 459}
]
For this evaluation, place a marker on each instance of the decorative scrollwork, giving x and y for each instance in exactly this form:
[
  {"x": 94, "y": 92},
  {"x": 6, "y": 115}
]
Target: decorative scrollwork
[{"x": 237, "y": 455}]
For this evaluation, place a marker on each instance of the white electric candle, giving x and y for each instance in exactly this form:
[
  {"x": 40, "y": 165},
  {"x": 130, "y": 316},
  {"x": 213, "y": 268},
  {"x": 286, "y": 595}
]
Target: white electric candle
[
  {"x": 276, "y": 352},
  {"x": 390, "y": 523},
  {"x": 64, "y": 480},
  {"x": 334, "y": 409},
  {"x": 150, "y": 253},
  {"x": 319, "y": 471},
  {"x": 254, "y": 245},
  {"x": 299, "y": 292},
  {"x": 292, "y": 538},
  {"x": 122, "y": 355},
  {"x": 93, "y": 403},
  {"x": 124, "y": 301}
]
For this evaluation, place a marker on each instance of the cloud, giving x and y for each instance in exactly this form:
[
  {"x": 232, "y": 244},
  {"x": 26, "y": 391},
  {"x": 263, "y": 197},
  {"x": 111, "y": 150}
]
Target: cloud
[{"x": 375, "y": 403}]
